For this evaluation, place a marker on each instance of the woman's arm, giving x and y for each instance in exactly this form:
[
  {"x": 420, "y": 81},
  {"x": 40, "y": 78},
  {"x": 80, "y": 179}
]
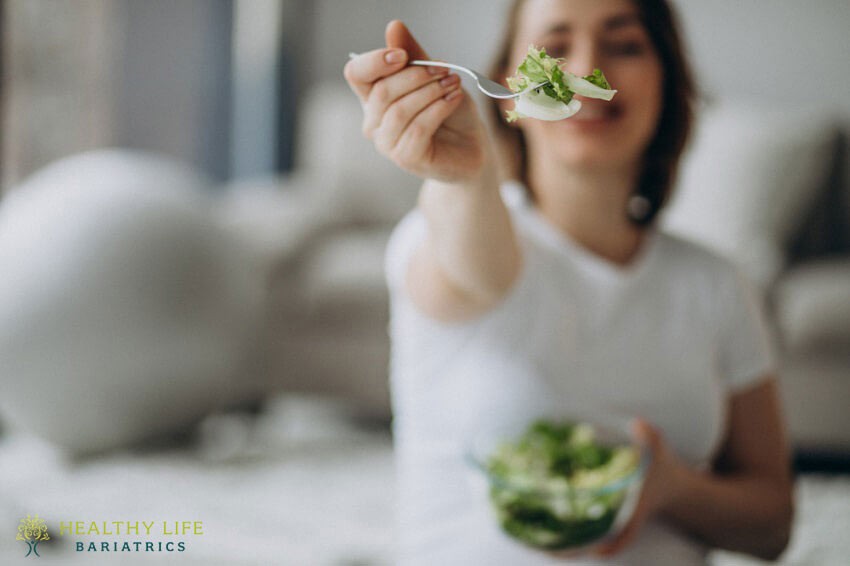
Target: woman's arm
[
  {"x": 746, "y": 503},
  {"x": 425, "y": 124},
  {"x": 471, "y": 256}
]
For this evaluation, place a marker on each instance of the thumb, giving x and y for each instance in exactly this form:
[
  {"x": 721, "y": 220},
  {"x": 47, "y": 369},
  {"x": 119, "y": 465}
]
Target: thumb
[
  {"x": 397, "y": 35},
  {"x": 645, "y": 433}
]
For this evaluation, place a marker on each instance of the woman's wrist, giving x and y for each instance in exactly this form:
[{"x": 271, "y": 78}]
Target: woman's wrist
[
  {"x": 482, "y": 178},
  {"x": 483, "y": 184},
  {"x": 679, "y": 483}
]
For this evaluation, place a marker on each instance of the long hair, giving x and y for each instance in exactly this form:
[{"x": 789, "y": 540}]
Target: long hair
[{"x": 663, "y": 153}]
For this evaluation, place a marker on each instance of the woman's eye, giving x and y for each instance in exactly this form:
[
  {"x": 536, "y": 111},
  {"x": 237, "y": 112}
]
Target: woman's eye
[{"x": 627, "y": 48}]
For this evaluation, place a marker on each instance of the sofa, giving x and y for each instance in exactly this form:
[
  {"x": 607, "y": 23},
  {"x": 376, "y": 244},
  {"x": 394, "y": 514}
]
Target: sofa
[
  {"x": 765, "y": 187},
  {"x": 277, "y": 284}
]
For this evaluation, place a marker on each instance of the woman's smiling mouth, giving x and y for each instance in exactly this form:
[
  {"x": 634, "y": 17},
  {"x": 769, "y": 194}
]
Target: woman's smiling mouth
[{"x": 594, "y": 113}]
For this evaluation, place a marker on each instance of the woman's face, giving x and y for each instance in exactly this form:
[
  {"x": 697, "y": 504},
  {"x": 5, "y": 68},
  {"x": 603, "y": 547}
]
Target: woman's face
[{"x": 588, "y": 34}]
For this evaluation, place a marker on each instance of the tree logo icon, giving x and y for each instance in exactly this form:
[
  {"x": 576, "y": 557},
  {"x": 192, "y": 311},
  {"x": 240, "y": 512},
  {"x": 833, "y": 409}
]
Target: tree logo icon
[{"x": 32, "y": 531}]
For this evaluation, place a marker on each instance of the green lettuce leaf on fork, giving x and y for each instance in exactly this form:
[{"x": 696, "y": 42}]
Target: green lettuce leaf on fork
[
  {"x": 559, "y": 85},
  {"x": 598, "y": 79}
]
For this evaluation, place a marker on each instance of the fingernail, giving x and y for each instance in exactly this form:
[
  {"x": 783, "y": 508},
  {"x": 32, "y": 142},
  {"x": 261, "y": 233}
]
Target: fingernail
[
  {"x": 437, "y": 70},
  {"x": 394, "y": 56},
  {"x": 449, "y": 81},
  {"x": 453, "y": 94}
]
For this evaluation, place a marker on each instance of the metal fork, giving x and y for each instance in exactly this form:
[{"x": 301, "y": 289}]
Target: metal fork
[{"x": 485, "y": 85}]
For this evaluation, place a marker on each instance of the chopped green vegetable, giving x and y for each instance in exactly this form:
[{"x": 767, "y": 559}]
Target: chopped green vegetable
[
  {"x": 544, "y": 488},
  {"x": 598, "y": 79},
  {"x": 538, "y": 68},
  {"x": 513, "y": 115}
]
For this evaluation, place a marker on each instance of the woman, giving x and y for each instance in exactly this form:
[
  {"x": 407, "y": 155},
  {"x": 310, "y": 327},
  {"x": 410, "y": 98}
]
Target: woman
[{"x": 559, "y": 293}]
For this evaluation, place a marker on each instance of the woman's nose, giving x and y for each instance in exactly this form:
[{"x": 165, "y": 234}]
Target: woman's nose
[{"x": 583, "y": 59}]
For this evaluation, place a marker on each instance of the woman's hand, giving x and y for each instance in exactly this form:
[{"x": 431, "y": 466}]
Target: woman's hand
[
  {"x": 660, "y": 486},
  {"x": 471, "y": 256},
  {"x": 745, "y": 503},
  {"x": 420, "y": 118}
]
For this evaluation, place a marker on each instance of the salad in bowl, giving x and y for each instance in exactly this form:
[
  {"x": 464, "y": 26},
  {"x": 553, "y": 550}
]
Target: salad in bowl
[{"x": 561, "y": 484}]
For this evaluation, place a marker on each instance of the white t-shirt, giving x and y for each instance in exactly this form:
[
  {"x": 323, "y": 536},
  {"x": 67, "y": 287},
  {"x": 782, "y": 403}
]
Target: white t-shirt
[{"x": 667, "y": 338}]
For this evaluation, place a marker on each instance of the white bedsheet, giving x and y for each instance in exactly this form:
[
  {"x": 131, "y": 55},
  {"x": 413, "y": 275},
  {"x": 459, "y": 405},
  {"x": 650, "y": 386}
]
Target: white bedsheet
[{"x": 298, "y": 485}]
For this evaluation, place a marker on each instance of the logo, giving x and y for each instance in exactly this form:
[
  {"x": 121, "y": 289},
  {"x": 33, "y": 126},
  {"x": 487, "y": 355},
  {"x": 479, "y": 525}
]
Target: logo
[
  {"x": 32, "y": 531},
  {"x": 152, "y": 536}
]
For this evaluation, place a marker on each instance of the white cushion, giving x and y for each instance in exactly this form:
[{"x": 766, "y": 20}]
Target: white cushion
[
  {"x": 813, "y": 306},
  {"x": 748, "y": 180},
  {"x": 362, "y": 185},
  {"x": 276, "y": 216},
  {"x": 125, "y": 308},
  {"x": 346, "y": 275}
]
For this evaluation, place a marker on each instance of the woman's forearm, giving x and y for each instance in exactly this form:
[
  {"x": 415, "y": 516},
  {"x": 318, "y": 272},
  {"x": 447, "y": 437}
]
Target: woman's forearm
[
  {"x": 471, "y": 239},
  {"x": 739, "y": 513}
]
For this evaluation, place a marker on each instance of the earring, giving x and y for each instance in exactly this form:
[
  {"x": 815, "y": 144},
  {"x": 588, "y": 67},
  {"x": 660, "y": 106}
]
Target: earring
[{"x": 638, "y": 208}]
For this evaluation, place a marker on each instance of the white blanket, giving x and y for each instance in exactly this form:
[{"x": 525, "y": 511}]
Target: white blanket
[{"x": 300, "y": 484}]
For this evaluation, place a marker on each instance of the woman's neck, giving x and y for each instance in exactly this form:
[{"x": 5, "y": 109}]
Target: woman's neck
[{"x": 590, "y": 207}]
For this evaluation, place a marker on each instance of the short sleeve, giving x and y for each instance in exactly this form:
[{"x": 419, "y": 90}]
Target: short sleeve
[{"x": 746, "y": 352}]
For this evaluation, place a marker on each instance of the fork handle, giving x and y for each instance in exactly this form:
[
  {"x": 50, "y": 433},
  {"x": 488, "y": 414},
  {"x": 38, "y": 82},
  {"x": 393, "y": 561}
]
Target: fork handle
[
  {"x": 445, "y": 66},
  {"x": 422, "y": 63}
]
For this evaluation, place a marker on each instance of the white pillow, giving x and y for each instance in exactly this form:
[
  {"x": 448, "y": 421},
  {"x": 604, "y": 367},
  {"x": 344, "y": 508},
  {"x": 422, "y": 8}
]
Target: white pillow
[
  {"x": 126, "y": 310},
  {"x": 362, "y": 185},
  {"x": 748, "y": 181}
]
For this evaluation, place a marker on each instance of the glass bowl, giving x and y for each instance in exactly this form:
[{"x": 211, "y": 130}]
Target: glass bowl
[{"x": 559, "y": 503}]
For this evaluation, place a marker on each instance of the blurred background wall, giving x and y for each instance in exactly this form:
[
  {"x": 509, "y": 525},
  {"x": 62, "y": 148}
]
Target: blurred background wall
[
  {"x": 733, "y": 42},
  {"x": 244, "y": 90},
  {"x": 57, "y": 99},
  {"x": 216, "y": 82},
  {"x": 91, "y": 73}
]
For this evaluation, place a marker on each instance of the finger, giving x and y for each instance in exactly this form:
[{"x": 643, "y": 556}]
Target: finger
[
  {"x": 645, "y": 433},
  {"x": 363, "y": 70},
  {"x": 397, "y": 35},
  {"x": 390, "y": 89},
  {"x": 620, "y": 542},
  {"x": 417, "y": 138},
  {"x": 648, "y": 437},
  {"x": 400, "y": 116},
  {"x": 629, "y": 531},
  {"x": 626, "y": 535}
]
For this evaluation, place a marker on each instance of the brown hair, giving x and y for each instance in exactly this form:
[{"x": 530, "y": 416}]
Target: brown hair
[{"x": 662, "y": 155}]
